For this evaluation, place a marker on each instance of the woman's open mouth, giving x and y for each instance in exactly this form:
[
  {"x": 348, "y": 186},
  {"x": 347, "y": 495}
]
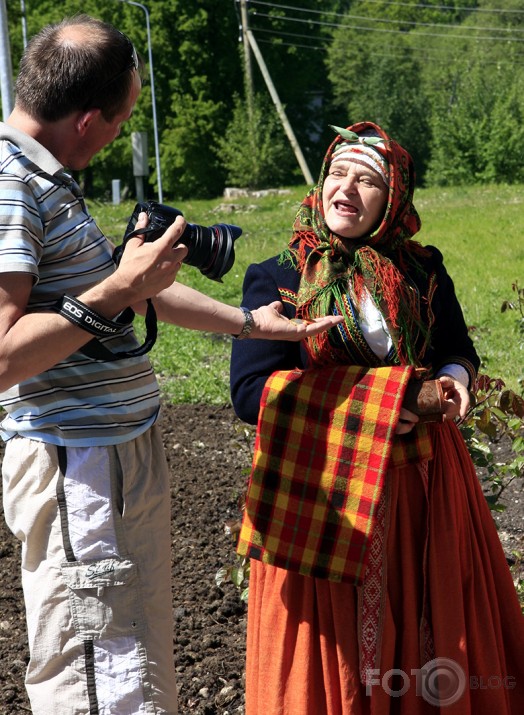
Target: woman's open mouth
[{"x": 344, "y": 208}]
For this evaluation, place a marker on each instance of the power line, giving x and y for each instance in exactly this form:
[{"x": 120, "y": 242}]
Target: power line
[
  {"x": 451, "y": 8},
  {"x": 397, "y": 22},
  {"x": 439, "y": 60},
  {"x": 426, "y": 50},
  {"x": 281, "y": 33},
  {"x": 378, "y": 29},
  {"x": 292, "y": 44}
]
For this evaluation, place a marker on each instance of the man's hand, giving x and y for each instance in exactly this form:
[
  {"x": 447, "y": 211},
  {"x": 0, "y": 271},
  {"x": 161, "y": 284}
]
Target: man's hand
[{"x": 147, "y": 268}]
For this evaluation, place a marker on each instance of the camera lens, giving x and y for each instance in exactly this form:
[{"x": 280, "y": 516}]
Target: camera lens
[{"x": 211, "y": 248}]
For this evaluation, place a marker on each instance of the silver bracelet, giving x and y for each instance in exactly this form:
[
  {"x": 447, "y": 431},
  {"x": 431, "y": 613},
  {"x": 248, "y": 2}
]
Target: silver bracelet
[{"x": 249, "y": 323}]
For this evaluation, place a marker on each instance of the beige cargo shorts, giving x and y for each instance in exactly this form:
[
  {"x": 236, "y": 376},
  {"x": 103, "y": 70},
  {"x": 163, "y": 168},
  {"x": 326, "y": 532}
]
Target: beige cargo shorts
[{"x": 94, "y": 523}]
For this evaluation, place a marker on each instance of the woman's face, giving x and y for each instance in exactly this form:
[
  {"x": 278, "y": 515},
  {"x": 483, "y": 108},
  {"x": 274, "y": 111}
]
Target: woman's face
[{"x": 354, "y": 198}]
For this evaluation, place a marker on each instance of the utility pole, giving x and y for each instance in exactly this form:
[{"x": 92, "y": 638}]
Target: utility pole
[
  {"x": 248, "y": 70},
  {"x": 280, "y": 109},
  {"x": 6, "y": 68}
]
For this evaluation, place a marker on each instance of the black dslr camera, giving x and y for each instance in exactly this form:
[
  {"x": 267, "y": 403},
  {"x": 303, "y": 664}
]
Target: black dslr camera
[{"x": 210, "y": 248}]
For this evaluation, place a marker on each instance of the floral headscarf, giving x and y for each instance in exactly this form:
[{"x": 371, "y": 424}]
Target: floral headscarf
[{"x": 335, "y": 273}]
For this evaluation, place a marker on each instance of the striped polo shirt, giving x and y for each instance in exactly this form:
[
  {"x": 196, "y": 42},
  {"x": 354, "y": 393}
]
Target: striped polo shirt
[{"x": 47, "y": 231}]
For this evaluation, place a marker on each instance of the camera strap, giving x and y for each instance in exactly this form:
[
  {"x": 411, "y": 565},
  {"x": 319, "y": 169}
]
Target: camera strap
[{"x": 97, "y": 350}]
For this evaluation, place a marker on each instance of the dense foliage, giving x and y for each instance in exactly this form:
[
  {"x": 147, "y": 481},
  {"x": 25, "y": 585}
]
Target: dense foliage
[{"x": 447, "y": 80}]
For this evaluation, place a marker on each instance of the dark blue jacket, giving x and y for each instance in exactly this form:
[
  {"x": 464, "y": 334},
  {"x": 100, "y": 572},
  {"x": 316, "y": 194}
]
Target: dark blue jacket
[{"x": 252, "y": 361}]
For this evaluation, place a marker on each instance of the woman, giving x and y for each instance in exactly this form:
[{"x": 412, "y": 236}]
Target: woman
[{"x": 434, "y": 623}]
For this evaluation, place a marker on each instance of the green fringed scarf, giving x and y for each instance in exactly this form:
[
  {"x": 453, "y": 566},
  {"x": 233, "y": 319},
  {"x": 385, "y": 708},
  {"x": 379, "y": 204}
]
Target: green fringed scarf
[{"x": 335, "y": 273}]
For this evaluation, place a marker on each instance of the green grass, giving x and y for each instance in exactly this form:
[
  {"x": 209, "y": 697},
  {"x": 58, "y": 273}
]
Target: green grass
[{"x": 478, "y": 229}]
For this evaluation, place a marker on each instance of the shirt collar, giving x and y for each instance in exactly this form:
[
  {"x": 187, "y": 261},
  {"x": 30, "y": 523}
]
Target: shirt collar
[{"x": 35, "y": 152}]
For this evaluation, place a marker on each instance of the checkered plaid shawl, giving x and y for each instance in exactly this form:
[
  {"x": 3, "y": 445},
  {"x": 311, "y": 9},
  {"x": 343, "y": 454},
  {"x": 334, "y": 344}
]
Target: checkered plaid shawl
[{"x": 322, "y": 448}]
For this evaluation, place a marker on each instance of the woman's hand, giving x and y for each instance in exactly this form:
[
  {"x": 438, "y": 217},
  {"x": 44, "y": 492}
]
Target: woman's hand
[
  {"x": 270, "y": 324},
  {"x": 456, "y": 398},
  {"x": 407, "y": 420}
]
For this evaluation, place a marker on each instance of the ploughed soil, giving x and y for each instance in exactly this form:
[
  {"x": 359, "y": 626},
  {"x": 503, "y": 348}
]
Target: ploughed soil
[{"x": 209, "y": 452}]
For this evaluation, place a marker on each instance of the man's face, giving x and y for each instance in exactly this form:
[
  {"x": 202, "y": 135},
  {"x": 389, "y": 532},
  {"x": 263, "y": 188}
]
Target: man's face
[{"x": 101, "y": 132}]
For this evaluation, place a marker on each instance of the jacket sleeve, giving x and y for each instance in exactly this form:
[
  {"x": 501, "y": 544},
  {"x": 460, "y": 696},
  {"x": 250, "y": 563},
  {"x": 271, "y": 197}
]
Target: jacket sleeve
[
  {"x": 451, "y": 342},
  {"x": 253, "y": 361}
]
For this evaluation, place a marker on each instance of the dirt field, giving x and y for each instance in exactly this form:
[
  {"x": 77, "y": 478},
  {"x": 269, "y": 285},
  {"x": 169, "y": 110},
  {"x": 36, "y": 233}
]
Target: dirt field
[{"x": 209, "y": 453}]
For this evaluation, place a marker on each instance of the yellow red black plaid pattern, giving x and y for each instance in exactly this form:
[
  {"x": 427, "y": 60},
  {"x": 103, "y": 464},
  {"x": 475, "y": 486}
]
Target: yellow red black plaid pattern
[{"x": 322, "y": 448}]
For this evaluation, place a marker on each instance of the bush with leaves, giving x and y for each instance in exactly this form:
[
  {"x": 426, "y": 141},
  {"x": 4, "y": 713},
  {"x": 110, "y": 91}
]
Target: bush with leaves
[
  {"x": 254, "y": 149},
  {"x": 496, "y": 414},
  {"x": 238, "y": 572},
  {"x": 517, "y": 305}
]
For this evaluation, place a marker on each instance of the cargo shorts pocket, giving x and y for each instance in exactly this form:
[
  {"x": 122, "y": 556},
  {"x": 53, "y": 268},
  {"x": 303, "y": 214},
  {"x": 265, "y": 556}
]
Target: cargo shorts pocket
[{"x": 104, "y": 598}]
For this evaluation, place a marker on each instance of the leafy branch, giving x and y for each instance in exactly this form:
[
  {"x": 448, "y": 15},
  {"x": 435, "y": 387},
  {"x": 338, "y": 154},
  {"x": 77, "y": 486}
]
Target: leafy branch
[
  {"x": 237, "y": 573},
  {"x": 516, "y": 305},
  {"x": 496, "y": 414}
]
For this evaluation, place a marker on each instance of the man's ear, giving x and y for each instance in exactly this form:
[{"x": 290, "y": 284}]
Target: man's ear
[{"x": 85, "y": 120}]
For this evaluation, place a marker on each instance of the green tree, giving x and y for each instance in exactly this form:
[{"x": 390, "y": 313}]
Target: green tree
[
  {"x": 476, "y": 105},
  {"x": 190, "y": 164},
  {"x": 477, "y": 130},
  {"x": 255, "y": 152},
  {"x": 204, "y": 74},
  {"x": 376, "y": 68},
  {"x": 445, "y": 80},
  {"x": 382, "y": 86},
  {"x": 196, "y": 72}
]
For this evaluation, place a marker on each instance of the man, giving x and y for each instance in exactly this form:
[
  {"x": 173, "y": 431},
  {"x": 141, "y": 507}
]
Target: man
[{"x": 85, "y": 480}]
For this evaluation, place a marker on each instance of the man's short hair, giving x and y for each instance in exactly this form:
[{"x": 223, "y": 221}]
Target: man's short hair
[{"x": 60, "y": 73}]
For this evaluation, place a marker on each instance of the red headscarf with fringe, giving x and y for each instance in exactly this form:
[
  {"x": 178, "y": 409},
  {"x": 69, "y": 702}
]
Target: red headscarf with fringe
[{"x": 332, "y": 268}]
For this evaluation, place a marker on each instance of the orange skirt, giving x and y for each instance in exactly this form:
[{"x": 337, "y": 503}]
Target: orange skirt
[{"x": 451, "y": 628}]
